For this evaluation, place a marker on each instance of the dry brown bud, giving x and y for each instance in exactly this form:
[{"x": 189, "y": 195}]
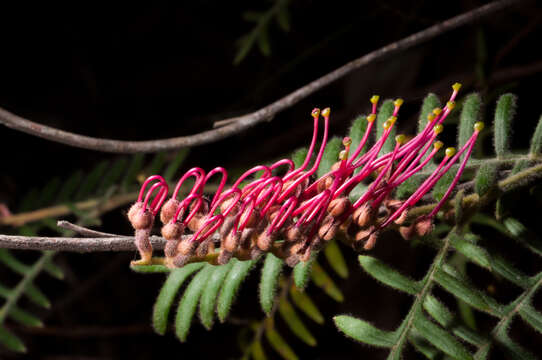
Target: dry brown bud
[
  {"x": 138, "y": 218},
  {"x": 370, "y": 243},
  {"x": 293, "y": 233},
  {"x": 187, "y": 247},
  {"x": 168, "y": 210},
  {"x": 172, "y": 231},
  {"x": 363, "y": 215},
  {"x": 196, "y": 222},
  {"x": 328, "y": 229},
  {"x": 423, "y": 226},
  {"x": 265, "y": 241},
  {"x": 338, "y": 206},
  {"x": 231, "y": 241}
]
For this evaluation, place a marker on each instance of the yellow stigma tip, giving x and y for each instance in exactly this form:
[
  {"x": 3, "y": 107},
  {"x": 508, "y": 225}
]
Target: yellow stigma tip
[
  {"x": 315, "y": 113},
  {"x": 438, "y": 128},
  {"x": 398, "y": 102},
  {"x": 450, "y": 152},
  {"x": 326, "y": 112},
  {"x": 389, "y": 123},
  {"x": 450, "y": 105},
  {"x": 400, "y": 139},
  {"x": 479, "y": 126},
  {"x": 438, "y": 144},
  {"x": 374, "y": 99},
  {"x": 431, "y": 117},
  {"x": 343, "y": 155},
  {"x": 371, "y": 118},
  {"x": 437, "y": 111},
  {"x": 347, "y": 141},
  {"x": 456, "y": 86}
]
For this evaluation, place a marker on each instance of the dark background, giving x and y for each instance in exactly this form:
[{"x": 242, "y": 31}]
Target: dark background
[{"x": 140, "y": 73}]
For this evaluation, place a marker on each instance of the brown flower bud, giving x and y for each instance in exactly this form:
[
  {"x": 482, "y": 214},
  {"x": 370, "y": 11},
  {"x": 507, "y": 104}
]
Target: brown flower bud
[
  {"x": 338, "y": 206},
  {"x": 203, "y": 247},
  {"x": 231, "y": 241},
  {"x": 172, "y": 231},
  {"x": 423, "y": 226},
  {"x": 187, "y": 247},
  {"x": 265, "y": 241},
  {"x": 370, "y": 243},
  {"x": 328, "y": 229},
  {"x": 293, "y": 233},
  {"x": 168, "y": 210},
  {"x": 306, "y": 255},
  {"x": 248, "y": 239},
  {"x": 393, "y": 204},
  {"x": 324, "y": 183},
  {"x": 138, "y": 218},
  {"x": 196, "y": 222},
  {"x": 363, "y": 215},
  {"x": 226, "y": 204}
]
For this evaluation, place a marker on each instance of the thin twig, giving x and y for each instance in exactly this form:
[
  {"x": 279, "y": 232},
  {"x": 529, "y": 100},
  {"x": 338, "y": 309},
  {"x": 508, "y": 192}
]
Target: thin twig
[
  {"x": 126, "y": 243},
  {"x": 83, "y": 231},
  {"x": 240, "y": 123}
]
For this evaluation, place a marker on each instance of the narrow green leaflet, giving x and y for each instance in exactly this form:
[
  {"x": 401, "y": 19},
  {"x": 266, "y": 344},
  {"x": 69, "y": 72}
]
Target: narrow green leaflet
[
  {"x": 288, "y": 314},
  {"x": 302, "y": 272},
  {"x": 335, "y": 258},
  {"x": 388, "y": 276},
  {"x": 167, "y": 294},
  {"x": 277, "y": 342},
  {"x": 268, "y": 284},
  {"x": 210, "y": 293},
  {"x": 531, "y": 317},
  {"x": 504, "y": 115},
  {"x": 305, "y": 304},
  {"x": 440, "y": 338},
  {"x": 11, "y": 341},
  {"x": 364, "y": 332},
  {"x": 231, "y": 285},
  {"x": 189, "y": 302},
  {"x": 324, "y": 281}
]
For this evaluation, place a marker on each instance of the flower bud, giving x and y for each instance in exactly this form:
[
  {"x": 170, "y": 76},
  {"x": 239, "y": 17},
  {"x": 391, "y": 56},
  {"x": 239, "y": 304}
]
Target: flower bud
[
  {"x": 168, "y": 210},
  {"x": 338, "y": 206},
  {"x": 424, "y": 226},
  {"x": 293, "y": 233},
  {"x": 363, "y": 215},
  {"x": 328, "y": 229},
  {"x": 141, "y": 220},
  {"x": 231, "y": 241},
  {"x": 224, "y": 257},
  {"x": 187, "y": 247},
  {"x": 402, "y": 218},
  {"x": 172, "y": 231},
  {"x": 264, "y": 241}
]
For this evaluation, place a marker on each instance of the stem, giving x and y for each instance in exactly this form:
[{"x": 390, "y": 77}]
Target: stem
[{"x": 241, "y": 123}]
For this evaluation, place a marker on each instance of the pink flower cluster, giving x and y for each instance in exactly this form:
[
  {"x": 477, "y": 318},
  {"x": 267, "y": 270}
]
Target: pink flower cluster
[{"x": 293, "y": 215}]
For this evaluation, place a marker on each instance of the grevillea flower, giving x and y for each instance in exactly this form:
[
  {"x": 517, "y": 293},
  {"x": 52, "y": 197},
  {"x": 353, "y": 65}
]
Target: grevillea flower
[{"x": 292, "y": 214}]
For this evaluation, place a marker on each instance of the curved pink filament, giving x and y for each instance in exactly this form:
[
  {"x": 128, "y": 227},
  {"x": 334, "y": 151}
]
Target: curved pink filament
[
  {"x": 146, "y": 182},
  {"x": 284, "y": 212},
  {"x": 274, "y": 189},
  {"x": 185, "y": 204},
  {"x": 161, "y": 195},
  {"x": 314, "y": 205},
  {"x": 223, "y": 180},
  {"x": 224, "y": 196},
  {"x": 456, "y": 178},
  {"x": 370, "y": 191},
  {"x": 198, "y": 173},
  {"x": 219, "y": 218},
  {"x": 265, "y": 169},
  {"x": 243, "y": 216},
  {"x": 289, "y": 162},
  {"x": 361, "y": 143},
  {"x": 309, "y": 153},
  {"x": 159, "y": 199},
  {"x": 296, "y": 183}
]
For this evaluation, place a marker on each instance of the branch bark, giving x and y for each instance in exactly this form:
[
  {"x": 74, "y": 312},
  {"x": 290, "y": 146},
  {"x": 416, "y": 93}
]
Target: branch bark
[{"x": 240, "y": 123}]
